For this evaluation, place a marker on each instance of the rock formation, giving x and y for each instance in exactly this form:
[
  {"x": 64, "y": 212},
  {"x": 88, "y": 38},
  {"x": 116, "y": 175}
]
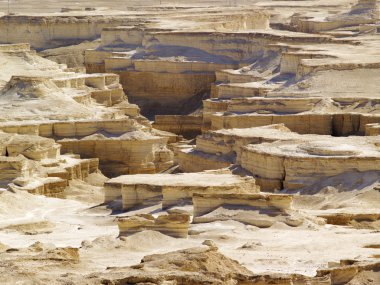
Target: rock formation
[
  {"x": 199, "y": 265},
  {"x": 187, "y": 126},
  {"x": 174, "y": 188},
  {"x": 88, "y": 115},
  {"x": 171, "y": 68},
  {"x": 364, "y": 12},
  {"x": 52, "y": 31},
  {"x": 297, "y": 164},
  {"x": 34, "y": 164},
  {"x": 279, "y": 158},
  {"x": 175, "y": 225},
  {"x": 190, "y": 142},
  {"x": 260, "y": 210}
]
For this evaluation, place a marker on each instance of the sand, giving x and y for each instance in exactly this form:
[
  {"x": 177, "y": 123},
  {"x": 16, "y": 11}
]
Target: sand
[
  {"x": 280, "y": 248},
  {"x": 334, "y": 220}
]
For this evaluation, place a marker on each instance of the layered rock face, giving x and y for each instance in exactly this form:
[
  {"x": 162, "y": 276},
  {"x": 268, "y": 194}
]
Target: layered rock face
[
  {"x": 279, "y": 158},
  {"x": 297, "y": 164},
  {"x": 166, "y": 71},
  {"x": 52, "y": 31},
  {"x": 372, "y": 129},
  {"x": 214, "y": 196},
  {"x": 174, "y": 188},
  {"x": 264, "y": 147},
  {"x": 219, "y": 149},
  {"x": 364, "y": 12},
  {"x": 321, "y": 85},
  {"x": 34, "y": 164},
  {"x": 129, "y": 153},
  {"x": 260, "y": 210},
  {"x": 175, "y": 225},
  {"x": 187, "y": 126},
  {"x": 88, "y": 115},
  {"x": 307, "y": 108},
  {"x": 205, "y": 203}
]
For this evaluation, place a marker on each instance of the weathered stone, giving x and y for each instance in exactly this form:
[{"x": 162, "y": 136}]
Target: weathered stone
[
  {"x": 174, "y": 188},
  {"x": 175, "y": 225}
]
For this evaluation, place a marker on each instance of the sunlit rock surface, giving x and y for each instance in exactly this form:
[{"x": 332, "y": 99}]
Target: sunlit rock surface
[{"x": 202, "y": 142}]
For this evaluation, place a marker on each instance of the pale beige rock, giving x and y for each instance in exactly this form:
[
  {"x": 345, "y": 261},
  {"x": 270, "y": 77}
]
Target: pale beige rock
[
  {"x": 42, "y": 32},
  {"x": 13, "y": 167},
  {"x": 349, "y": 271},
  {"x": 240, "y": 67},
  {"x": 169, "y": 76},
  {"x": 32, "y": 147},
  {"x": 59, "y": 104},
  {"x": 372, "y": 129},
  {"x": 34, "y": 164},
  {"x": 363, "y": 12},
  {"x": 282, "y": 158},
  {"x": 298, "y": 164},
  {"x": 221, "y": 148},
  {"x": 175, "y": 225},
  {"x": 206, "y": 202},
  {"x": 132, "y": 152},
  {"x": 174, "y": 188},
  {"x": 187, "y": 126},
  {"x": 191, "y": 160},
  {"x": 261, "y": 210}
]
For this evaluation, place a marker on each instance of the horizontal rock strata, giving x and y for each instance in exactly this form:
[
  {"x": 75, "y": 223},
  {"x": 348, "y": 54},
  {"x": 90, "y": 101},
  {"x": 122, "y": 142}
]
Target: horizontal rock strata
[
  {"x": 175, "y": 225},
  {"x": 261, "y": 210},
  {"x": 297, "y": 164},
  {"x": 34, "y": 164},
  {"x": 174, "y": 188}
]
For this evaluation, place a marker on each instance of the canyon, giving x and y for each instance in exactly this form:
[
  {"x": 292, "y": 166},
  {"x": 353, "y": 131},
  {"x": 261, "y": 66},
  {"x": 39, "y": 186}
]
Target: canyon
[{"x": 203, "y": 142}]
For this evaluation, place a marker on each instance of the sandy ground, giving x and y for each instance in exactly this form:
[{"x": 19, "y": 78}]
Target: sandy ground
[
  {"x": 26, "y": 219},
  {"x": 83, "y": 221}
]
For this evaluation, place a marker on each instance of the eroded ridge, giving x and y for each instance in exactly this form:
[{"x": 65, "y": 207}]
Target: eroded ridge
[
  {"x": 174, "y": 188},
  {"x": 279, "y": 158},
  {"x": 34, "y": 164},
  {"x": 202, "y": 142},
  {"x": 87, "y": 114}
]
